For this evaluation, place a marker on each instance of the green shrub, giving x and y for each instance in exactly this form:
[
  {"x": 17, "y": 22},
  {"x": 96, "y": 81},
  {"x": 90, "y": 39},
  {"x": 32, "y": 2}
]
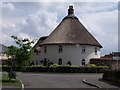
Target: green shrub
[
  {"x": 59, "y": 69},
  {"x": 54, "y": 65},
  {"x": 50, "y": 63},
  {"x": 90, "y": 66}
]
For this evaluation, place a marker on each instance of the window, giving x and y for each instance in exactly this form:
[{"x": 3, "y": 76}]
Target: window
[
  {"x": 69, "y": 63},
  {"x": 60, "y": 61},
  {"x": 83, "y": 49},
  {"x": 45, "y": 49},
  {"x": 60, "y": 48},
  {"x": 83, "y": 62},
  {"x": 95, "y": 50},
  {"x": 36, "y": 62},
  {"x": 45, "y": 61}
]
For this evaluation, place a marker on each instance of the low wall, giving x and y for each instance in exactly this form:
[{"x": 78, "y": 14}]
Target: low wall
[{"x": 113, "y": 64}]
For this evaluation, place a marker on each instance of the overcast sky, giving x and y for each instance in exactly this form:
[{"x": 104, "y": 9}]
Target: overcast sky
[{"x": 35, "y": 19}]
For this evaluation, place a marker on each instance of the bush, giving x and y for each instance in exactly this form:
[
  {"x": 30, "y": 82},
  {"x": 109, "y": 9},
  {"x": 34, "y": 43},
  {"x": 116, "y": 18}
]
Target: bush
[
  {"x": 11, "y": 75},
  {"x": 58, "y": 69},
  {"x": 90, "y": 66},
  {"x": 113, "y": 76},
  {"x": 50, "y": 63},
  {"x": 54, "y": 65}
]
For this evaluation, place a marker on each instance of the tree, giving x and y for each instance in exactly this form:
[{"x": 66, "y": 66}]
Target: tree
[
  {"x": 12, "y": 53},
  {"x": 19, "y": 56},
  {"x": 24, "y": 52}
]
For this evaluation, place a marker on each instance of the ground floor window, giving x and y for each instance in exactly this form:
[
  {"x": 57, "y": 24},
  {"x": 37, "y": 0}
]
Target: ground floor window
[
  {"x": 45, "y": 62},
  {"x": 36, "y": 62},
  {"x": 69, "y": 63},
  {"x": 60, "y": 61},
  {"x": 83, "y": 62}
]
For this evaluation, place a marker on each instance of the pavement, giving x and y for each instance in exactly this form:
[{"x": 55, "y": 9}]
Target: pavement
[
  {"x": 95, "y": 80},
  {"x": 52, "y": 80}
]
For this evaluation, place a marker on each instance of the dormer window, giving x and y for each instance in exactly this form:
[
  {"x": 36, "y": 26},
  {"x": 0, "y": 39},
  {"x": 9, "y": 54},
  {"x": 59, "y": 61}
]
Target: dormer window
[
  {"x": 95, "y": 50},
  {"x": 60, "y": 48},
  {"x": 83, "y": 49}
]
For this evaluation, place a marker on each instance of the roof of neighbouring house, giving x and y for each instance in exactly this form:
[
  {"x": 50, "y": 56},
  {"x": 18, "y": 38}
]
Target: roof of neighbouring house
[
  {"x": 71, "y": 31},
  {"x": 41, "y": 39},
  {"x": 3, "y": 48}
]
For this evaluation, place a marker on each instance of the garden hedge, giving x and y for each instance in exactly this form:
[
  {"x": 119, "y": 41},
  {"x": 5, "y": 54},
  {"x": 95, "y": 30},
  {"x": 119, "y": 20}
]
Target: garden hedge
[{"x": 57, "y": 69}]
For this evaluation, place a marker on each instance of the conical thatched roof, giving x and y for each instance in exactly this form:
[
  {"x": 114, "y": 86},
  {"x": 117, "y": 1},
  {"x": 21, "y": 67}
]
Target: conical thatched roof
[{"x": 71, "y": 31}]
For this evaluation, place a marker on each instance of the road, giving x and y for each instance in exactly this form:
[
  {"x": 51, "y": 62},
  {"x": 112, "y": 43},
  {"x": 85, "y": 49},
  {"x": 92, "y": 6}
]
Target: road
[{"x": 31, "y": 80}]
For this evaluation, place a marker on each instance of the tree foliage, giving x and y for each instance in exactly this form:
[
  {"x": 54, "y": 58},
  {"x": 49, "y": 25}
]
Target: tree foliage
[
  {"x": 12, "y": 53},
  {"x": 20, "y": 55}
]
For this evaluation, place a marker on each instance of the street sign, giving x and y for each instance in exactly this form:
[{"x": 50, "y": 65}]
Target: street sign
[{"x": 116, "y": 55}]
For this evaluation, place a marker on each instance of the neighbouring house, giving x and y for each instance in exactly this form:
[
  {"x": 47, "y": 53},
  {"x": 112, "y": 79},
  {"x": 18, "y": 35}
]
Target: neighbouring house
[
  {"x": 3, "y": 56},
  {"x": 112, "y": 60},
  {"x": 69, "y": 43}
]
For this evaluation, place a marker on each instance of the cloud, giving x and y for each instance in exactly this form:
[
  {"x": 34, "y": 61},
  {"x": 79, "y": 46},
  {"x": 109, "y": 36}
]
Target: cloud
[
  {"x": 104, "y": 27},
  {"x": 8, "y": 6},
  {"x": 99, "y": 18},
  {"x": 39, "y": 24},
  {"x": 8, "y": 29},
  {"x": 96, "y": 7},
  {"x": 34, "y": 26}
]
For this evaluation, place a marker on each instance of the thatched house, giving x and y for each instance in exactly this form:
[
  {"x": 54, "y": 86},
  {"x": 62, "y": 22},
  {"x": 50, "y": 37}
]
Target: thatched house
[{"x": 69, "y": 43}]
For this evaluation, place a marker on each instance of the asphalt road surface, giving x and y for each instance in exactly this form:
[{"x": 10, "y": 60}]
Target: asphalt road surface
[{"x": 31, "y": 80}]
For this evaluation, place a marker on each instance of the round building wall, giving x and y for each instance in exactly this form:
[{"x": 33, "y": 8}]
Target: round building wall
[{"x": 76, "y": 54}]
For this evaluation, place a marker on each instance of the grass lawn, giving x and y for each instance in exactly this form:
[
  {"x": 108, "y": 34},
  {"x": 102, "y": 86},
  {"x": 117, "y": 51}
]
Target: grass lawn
[{"x": 14, "y": 83}]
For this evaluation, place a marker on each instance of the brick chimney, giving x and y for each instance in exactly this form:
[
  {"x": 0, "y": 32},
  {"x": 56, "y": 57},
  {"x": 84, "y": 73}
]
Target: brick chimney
[{"x": 70, "y": 10}]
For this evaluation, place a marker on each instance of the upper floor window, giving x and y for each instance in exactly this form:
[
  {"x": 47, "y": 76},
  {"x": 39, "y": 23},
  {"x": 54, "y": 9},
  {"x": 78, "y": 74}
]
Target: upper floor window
[
  {"x": 45, "y": 49},
  {"x": 95, "y": 50},
  {"x": 60, "y": 48},
  {"x": 83, "y": 49}
]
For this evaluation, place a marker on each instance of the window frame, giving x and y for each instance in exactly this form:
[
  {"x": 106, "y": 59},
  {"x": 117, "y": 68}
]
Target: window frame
[
  {"x": 96, "y": 49},
  {"x": 45, "y": 49},
  {"x": 60, "y": 61},
  {"x": 83, "y": 49},
  {"x": 60, "y": 48},
  {"x": 83, "y": 62}
]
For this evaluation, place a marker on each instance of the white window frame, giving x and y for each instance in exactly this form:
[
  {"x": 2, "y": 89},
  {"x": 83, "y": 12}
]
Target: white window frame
[
  {"x": 96, "y": 49},
  {"x": 83, "y": 49},
  {"x": 45, "y": 49},
  {"x": 60, "y": 48}
]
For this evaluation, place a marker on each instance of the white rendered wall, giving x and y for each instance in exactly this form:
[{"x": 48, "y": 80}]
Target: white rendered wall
[
  {"x": 71, "y": 53},
  {"x": 36, "y": 57}
]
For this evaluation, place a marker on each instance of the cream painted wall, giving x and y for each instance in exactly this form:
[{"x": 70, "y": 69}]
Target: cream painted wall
[{"x": 71, "y": 53}]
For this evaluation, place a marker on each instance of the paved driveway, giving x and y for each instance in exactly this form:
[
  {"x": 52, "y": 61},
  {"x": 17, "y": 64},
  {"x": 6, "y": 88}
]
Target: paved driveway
[{"x": 61, "y": 80}]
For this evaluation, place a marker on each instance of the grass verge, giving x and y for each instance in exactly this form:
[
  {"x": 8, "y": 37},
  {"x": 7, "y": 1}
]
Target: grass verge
[{"x": 14, "y": 83}]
